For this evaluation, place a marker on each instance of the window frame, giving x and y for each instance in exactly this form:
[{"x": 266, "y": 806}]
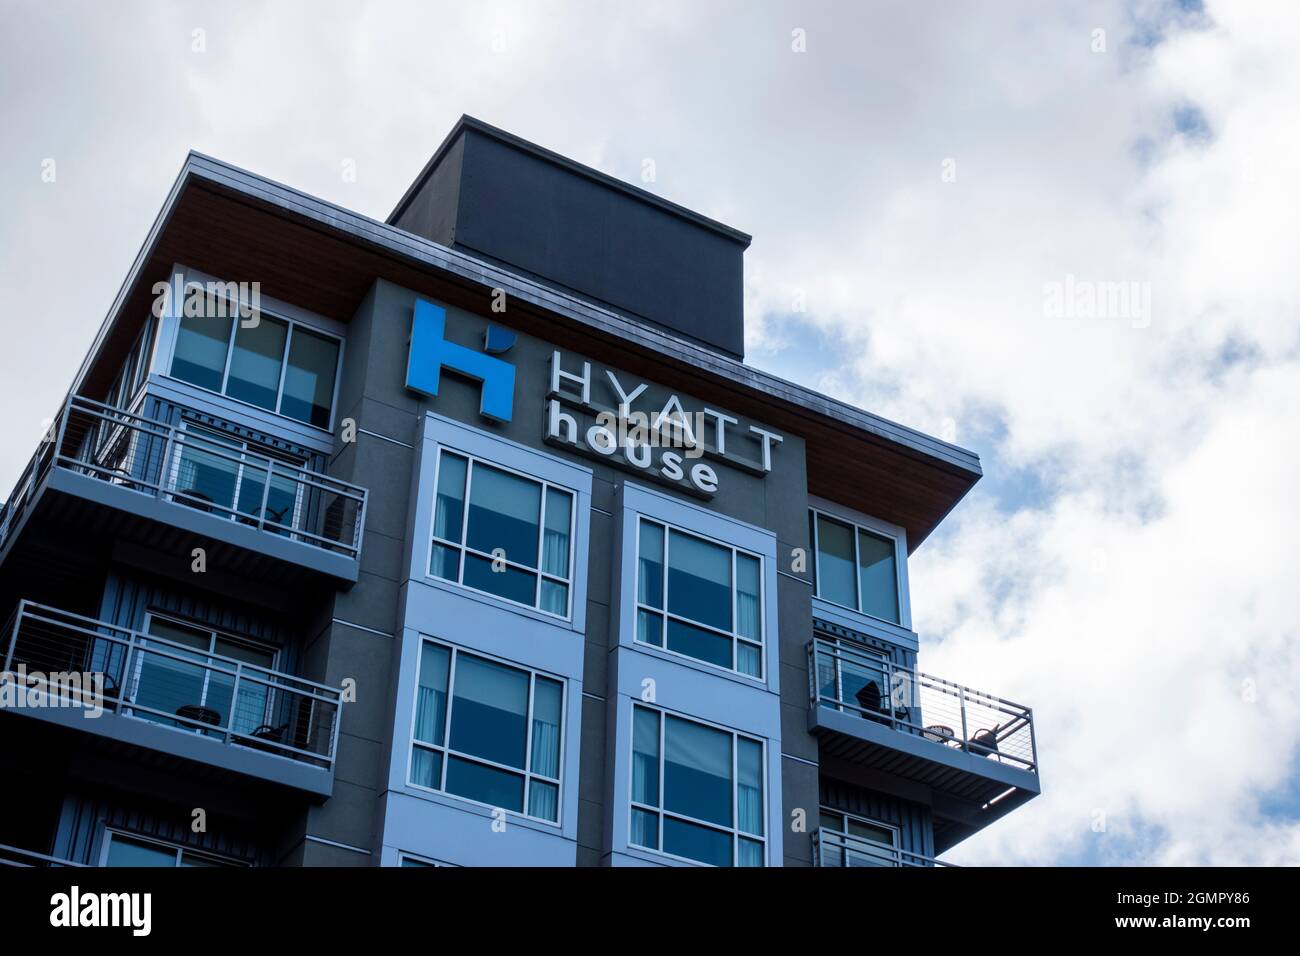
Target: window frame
[
  {"x": 235, "y": 318},
  {"x": 858, "y": 525},
  {"x": 664, "y": 614},
  {"x": 662, "y": 811},
  {"x": 463, "y": 545},
  {"x": 445, "y": 749},
  {"x": 181, "y": 850}
]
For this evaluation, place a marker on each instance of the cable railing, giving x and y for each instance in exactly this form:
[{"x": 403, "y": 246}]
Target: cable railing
[
  {"x": 854, "y": 681},
  {"x": 836, "y": 849},
  {"x": 16, "y": 856},
  {"x": 93, "y": 664},
  {"x": 206, "y": 470}
]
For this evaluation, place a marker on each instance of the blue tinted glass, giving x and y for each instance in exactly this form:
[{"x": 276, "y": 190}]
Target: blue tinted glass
[
  {"x": 835, "y": 572},
  {"x": 255, "y": 362},
  {"x": 697, "y": 842},
  {"x": 699, "y": 581},
  {"x": 650, "y": 567},
  {"x": 697, "y": 771},
  {"x": 503, "y": 513},
  {"x": 200, "y": 355},
  {"x": 448, "y": 508},
  {"x": 444, "y": 563},
  {"x": 309, "y": 378},
  {"x": 431, "y": 694},
  {"x": 509, "y": 583},
  {"x": 877, "y": 577},
  {"x": 645, "y": 829},
  {"x": 426, "y": 768},
  {"x": 497, "y": 788},
  {"x": 489, "y": 711},
  {"x": 126, "y": 852},
  {"x": 649, "y": 628},
  {"x": 699, "y": 643},
  {"x": 645, "y": 757}
]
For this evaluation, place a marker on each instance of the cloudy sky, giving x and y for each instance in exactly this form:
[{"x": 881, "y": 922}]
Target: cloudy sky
[{"x": 935, "y": 190}]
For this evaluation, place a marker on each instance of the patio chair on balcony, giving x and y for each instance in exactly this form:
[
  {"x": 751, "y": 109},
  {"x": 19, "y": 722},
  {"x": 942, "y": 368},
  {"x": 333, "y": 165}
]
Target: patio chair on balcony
[
  {"x": 987, "y": 742},
  {"x": 877, "y": 706},
  {"x": 265, "y": 736}
]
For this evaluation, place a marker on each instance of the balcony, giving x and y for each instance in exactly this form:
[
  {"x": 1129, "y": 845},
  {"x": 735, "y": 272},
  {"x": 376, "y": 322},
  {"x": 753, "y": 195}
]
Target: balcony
[
  {"x": 116, "y": 474},
  {"x": 971, "y": 755},
  {"x": 14, "y": 856},
  {"x": 162, "y": 696},
  {"x": 835, "y": 849}
]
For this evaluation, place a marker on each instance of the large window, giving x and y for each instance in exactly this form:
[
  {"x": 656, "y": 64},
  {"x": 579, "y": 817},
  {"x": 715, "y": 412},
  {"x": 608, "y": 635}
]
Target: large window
[
  {"x": 856, "y": 567},
  {"x": 699, "y": 598},
  {"x": 697, "y": 790},
  {"x": 278, "y": 365},
  {"x": 513, "y": 540},
  {"x": 123, "y": 850},
  {"x": 227, "y": 475},
  {"x": 487, "y": 732}
]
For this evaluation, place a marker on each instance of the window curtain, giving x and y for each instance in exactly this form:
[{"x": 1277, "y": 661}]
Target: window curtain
[
  {"x": 429, "y": 710},
  {"x": 749, "y": 787},
  {"x": 546, "y": 748}
]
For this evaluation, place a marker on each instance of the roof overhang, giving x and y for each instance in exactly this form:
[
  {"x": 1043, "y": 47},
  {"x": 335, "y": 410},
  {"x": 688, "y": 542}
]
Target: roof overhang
[{"x": 230, "y": 223}]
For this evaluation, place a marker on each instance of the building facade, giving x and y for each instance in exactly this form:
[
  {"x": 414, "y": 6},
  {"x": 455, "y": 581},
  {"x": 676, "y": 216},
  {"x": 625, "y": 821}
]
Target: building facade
[{"x": 468, "y": 538}]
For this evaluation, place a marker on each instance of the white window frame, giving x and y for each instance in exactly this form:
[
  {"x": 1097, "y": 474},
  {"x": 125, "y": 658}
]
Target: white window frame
[
  {"x": 664, "y": 614},
  {"x": 463, "y": 546},
  {"x": 278, "y": 316},
  {"x": 181, "y": 850},
  {"x": 661, "y": 811},
  {"x": 879, "y": 530},
  {"x": 446, "y": 750}
]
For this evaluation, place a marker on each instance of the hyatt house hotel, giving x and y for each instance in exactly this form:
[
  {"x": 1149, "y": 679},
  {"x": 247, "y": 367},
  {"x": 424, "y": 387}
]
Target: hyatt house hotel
[{"x": 467, "y": 538}]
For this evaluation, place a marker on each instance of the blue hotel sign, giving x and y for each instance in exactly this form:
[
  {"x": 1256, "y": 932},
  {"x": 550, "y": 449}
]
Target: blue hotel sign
[
  {"x": 431, "y": 353},
  {"x": 663, "y": 442}
]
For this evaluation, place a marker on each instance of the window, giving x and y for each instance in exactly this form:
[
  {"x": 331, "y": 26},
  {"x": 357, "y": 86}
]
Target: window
[
  {"x": 697, "y": 790},
  {"x": 487, "y": 732},
  {"x": 134, "y": 370},
  {"x": 165, "y": 683},
  {"x": 705, "y": 600},
  {"x": 856, "y": 567},
  {"x": 514, "y": 540},
  {"x": 278, "y": 365},
  {"x": 123, "y": 850},
  {"x": 858, "y": 680},
  {"x": 226, "y": 475},
  {"x": 407, "y": 859},
  {"x": 847, "y": 840}
]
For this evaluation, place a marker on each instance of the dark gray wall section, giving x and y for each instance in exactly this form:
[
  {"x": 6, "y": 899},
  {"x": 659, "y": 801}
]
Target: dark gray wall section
[{"x": 495, "y": 196}]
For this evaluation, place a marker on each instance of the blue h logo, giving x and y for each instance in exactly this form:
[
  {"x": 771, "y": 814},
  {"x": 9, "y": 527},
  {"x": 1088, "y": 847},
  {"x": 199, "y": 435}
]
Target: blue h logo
[{"x": 430, "y": 352}]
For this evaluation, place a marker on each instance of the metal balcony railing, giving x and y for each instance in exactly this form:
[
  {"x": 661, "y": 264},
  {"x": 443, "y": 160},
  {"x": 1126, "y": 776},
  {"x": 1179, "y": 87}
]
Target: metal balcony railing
[
  {"x": 833, "y": 848},
  {"x": 856, "y": 682},
  {"x": 196, "y": 468},
  {"x": 192, "y": 690},
  {"x": 13, "y": 856}
]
